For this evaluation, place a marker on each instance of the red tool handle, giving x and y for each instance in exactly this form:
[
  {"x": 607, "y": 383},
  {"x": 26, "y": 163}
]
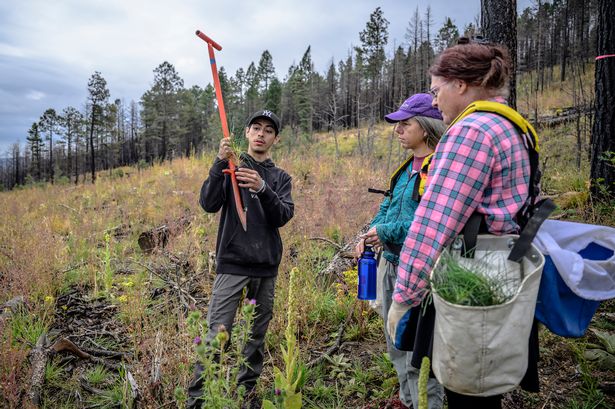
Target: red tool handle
[
  {"x": 208, "y": 40},
  {"x": 221, "y": 110},
  {"x": 211, "y": 44}
]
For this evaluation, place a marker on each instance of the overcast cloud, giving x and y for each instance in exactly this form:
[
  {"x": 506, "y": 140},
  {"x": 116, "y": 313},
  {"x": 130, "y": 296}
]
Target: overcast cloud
[{"x": 49, "y": 49}]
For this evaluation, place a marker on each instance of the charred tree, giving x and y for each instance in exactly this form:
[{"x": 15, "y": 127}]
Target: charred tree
[
  {"x": 499, "y": 25},
  {"x": 602, "y": 173}
]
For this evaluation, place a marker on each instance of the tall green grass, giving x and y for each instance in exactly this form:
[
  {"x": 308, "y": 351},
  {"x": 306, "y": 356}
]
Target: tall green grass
[{"x": 461, "y": 285}]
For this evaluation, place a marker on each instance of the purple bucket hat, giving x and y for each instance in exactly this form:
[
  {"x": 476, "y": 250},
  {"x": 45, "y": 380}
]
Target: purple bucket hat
[{"x": 416, "y": 105}]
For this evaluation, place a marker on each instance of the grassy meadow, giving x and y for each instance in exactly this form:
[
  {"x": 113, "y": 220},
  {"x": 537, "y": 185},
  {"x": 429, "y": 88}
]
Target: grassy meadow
[{"x": 72, "y": 253}]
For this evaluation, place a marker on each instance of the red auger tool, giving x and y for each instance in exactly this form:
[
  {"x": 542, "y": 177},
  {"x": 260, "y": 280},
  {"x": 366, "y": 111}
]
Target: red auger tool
[{"x": 211, "y": 44}]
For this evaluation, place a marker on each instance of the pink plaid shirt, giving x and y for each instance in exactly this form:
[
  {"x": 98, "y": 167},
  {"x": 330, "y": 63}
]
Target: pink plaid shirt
[{"x": 480, "y": 164}]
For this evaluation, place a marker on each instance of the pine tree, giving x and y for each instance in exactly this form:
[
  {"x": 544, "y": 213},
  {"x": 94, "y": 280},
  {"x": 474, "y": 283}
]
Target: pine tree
[
  {"x": 71, "y": 121},
  {"x": 447, "y": 35},
  {"x": 373, "y": 40},
  {"x": 265, "y": 72},
  {"x": 164, "y": 92},
  {"x": 35, "y": 141},
  {"x": 252, "y": 86},
  {"x": 273, "y": 96},
  {"x": 98, "y": 94},
  {"x": 48, "y": 125}
]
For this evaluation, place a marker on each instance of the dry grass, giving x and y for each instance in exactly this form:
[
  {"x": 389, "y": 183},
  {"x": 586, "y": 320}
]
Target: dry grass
[{"x": 54, "y": 237}]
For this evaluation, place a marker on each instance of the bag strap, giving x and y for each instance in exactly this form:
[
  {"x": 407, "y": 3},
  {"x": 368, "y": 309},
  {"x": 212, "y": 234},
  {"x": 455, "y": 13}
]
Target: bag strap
[
  {"x": 523, "y": 244},
  {"x": 398, "y": 172},
  {"x": 385, "y": 193},
  {"x": 475, "y": 225}
]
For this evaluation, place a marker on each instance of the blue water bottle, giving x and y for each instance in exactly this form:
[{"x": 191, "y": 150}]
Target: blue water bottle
[{"x": 367, "y": 275}]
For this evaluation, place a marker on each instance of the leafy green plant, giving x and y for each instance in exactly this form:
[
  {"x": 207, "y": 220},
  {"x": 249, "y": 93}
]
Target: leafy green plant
[
  {"x": 336, "y": 401},
  {"x": 609, "y": 157},
  {"x": 118, "y": 394},
  {"x": 602, "y": 356},
  {"x": 334, "y": 233},
  {"x": 339, "y": 366},
  {"x": 221, "y": 364},
  {"x": 607, "y": 339},
  {"x": 603, "y": 323},
  {"x": 359, "y": 383},
  {"x": 289, "y": 381}
]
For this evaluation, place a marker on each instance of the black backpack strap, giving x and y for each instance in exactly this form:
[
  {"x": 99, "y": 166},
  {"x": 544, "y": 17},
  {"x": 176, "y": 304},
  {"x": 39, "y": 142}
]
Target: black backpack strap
[
  {"x": 386, "y": 193},
  {"x": 528, "y": 209},
  {"x": 415, "y": 190},
  {"x": 543, "y": 209},
  {"x": 475, "y": 225}
]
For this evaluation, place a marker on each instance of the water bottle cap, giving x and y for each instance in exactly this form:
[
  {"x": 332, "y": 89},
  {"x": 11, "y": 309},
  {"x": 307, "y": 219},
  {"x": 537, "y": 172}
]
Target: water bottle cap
[{"x": 368, "y": 249}]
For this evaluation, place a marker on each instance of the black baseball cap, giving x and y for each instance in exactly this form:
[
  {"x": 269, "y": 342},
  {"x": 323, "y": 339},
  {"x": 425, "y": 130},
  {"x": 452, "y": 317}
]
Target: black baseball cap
[{"x": 267, "y": 115}]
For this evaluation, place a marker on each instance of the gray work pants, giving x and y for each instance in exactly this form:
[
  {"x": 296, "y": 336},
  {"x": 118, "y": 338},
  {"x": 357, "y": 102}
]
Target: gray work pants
[
  {"x": 407, "y": 374},
  {"x": 225, "y": 300}
]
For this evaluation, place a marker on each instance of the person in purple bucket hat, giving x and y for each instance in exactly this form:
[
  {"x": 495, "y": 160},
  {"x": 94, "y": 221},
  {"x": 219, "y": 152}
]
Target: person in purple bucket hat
[{"x": 418, "y": 126}]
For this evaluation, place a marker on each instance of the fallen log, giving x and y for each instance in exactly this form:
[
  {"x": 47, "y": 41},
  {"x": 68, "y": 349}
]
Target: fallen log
[
  {"x": 342, "y": 261},
  {"x": 38, "y": 361},
  {"x": 66, "y": 345},
  {"x": 158, "y": 237},
  {"x": 155, "y": 371}
]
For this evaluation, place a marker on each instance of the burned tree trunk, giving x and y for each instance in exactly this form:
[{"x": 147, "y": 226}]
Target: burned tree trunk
[
  {"x": 499, "y": 25},
  {"x": 602, "y": 173}
]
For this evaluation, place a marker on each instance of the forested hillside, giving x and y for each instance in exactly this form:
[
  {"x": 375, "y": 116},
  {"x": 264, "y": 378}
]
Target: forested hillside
[{"x": 69, "y": 144}]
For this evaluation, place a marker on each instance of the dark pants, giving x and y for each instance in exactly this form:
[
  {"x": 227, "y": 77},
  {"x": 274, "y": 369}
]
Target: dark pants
[
  {"x": 458, "y": 401},
  {"x": 225, "y": 300}
]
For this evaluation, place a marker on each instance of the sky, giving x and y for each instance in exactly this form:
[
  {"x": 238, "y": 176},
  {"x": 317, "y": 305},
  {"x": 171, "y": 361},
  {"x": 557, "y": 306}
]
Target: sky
[{"x": 49, "y": 49}]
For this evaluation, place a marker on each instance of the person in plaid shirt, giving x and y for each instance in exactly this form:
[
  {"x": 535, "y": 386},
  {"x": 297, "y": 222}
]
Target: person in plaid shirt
[
  {"x": 480, "y": 165},
  {"x": 418, "y": 126}
]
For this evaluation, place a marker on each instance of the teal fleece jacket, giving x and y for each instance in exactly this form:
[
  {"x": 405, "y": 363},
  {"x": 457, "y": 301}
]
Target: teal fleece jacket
[{"x": 397, "y": 211}]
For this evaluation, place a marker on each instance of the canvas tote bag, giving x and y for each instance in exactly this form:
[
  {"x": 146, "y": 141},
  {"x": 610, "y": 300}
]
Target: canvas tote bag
[{"x": 483, "y": 351}]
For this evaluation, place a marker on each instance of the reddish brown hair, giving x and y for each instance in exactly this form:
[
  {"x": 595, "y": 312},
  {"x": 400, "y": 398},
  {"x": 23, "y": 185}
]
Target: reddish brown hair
[{"x": 483, "y": 65}]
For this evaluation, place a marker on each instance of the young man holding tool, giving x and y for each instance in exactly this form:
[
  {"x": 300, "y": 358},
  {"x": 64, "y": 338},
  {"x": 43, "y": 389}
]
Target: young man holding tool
[{"x": 246, "y": 259}]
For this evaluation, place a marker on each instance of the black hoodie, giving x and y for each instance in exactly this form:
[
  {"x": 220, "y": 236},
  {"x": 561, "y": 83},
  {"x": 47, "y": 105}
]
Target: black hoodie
[{"x": 256, "y": 252}]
